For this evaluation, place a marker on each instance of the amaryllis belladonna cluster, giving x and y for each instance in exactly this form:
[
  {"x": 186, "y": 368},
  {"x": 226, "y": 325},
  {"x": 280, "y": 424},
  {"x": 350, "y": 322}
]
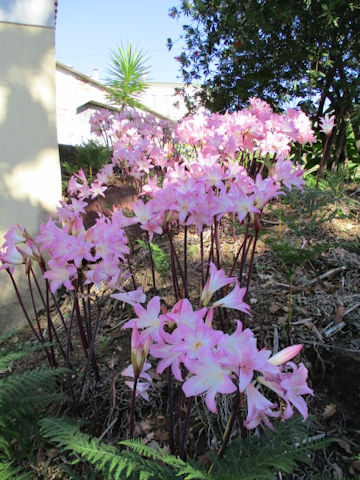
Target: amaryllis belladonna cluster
[{"x": 209, "y": 361}]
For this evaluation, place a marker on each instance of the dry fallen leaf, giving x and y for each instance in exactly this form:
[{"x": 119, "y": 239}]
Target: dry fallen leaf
[
  {"x": 345, "y": 445},
  {"x": 339, "y": 314},
  {"x": 329, "y": 411},
  {"x": 274, "y": 307},
  {"x": 142, "y": 428}
]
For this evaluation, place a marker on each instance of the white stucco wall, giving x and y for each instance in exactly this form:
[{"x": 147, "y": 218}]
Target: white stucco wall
[
  {"x": 161, "y": 98},
  {"x": 30, "y": 178},
  {"x": 74, "y": 89},
  {"x": 71, "y": 93}
]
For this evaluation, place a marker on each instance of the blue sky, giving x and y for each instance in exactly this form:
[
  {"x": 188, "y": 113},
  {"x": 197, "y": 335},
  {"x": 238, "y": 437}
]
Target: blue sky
[{"x": 87, "y": 30}]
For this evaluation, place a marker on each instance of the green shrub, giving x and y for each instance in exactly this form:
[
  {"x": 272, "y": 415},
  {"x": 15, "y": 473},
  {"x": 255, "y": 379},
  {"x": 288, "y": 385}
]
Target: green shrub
[{"x": 91, "y": 157}]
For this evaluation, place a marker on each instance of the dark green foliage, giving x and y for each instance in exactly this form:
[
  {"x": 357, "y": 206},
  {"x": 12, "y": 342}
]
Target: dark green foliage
[
  {"x": 8, "y": 472},
  {"x": 252, "y": 458},
  {"x": 292, "y": 257},
  {"x": 114, "y": 464},
  {"x": 91, "y": 157},
  {"x": 256, "y": 458},
  {"x": 301, "y": 50},
  {"x": 23, "y": 398},
  {"x": 274, "y": 50},
  {"x": 160, "y": 258},
  {"x": 310, "y": 210}
]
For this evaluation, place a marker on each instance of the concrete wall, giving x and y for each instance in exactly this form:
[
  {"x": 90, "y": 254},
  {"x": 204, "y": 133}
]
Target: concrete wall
[
  {"x": 30, "y": 179},
  {"x": 72, "y": 91},
  {"x": 161, "y": 98}
]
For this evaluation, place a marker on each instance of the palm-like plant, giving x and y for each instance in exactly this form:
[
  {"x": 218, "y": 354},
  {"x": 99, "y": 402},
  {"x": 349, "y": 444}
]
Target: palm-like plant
[{"x": 127, "y": 75}]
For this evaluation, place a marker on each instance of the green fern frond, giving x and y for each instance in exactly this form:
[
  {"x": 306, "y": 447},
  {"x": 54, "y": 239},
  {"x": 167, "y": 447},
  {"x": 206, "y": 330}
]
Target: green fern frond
[
  {"x": 253, "y": 458},
  {"x": 21, "y": 394},
  {"x": 183, "y": 469},
  {"x": 8, "y": 472},
  {"x": 105, "y": 457},
  {"x": 7, "y": 357},
  {"x": 142, "y": 462},
  {"x": 256, "y": 458}
]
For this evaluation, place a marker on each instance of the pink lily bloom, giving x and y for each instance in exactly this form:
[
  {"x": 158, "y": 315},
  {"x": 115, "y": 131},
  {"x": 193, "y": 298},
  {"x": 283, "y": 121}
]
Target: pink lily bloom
[
  {"x": 143, "y": 211},
  {"x": 231, "y": 344},
  {"x": 147, "y": 319},
  {"x": 10, "y": 258},
  {"x": 136, "y": 296},
  {"x": 193, "y": 339},
  {"x": 250, "y": 359},
  {"x": 129, "y": 372},
  {"x": 265, "y": 189},
  {"x": 183, "y": 314},
  {"x": 15, "y": 234},
  {"x": 168, "y": 354},
  {"x": 294, "y": 384},
  {"x": 259, "y": 408},
  {"x": 141, "y": 389},
  {"x": 13, "y": 256},
  {"x": 60, "y": 274},
  {"x": 152, "y": 226},
  {"x": 290, "y": 386},
  {"x": 241, "y": 204},
  {"x": 97, "y": 189},
  {"x": 209, "y": 376},
  {"x": 327, "y": 124},
  {"x": 216, "y": 280},
  {"x": 286, "y": 172},
  {"x": 234, "y": 300}
]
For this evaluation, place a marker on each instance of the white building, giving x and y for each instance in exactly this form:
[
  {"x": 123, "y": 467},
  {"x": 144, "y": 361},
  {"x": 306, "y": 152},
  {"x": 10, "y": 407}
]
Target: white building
[{"x": 78, "y": 96}]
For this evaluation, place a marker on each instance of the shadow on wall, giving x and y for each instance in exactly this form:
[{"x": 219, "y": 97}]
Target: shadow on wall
[{"x": 30, "y": 179}]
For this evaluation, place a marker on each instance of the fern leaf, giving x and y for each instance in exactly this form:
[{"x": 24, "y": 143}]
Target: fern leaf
[
  {"x": 8, "y": 472},
  {"x": 105, "y": 457}
]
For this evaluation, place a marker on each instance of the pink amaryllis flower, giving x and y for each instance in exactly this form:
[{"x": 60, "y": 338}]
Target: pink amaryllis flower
[
  {"x": 327, "y": 124},
  {"x": 285, "y": 354},
  {"x": 250, "y": 359},
  {"x": 286, "y": 172},
  {"x": 259, "y": 408},
  {"x": 147, "y": 319},
  {"x": 60, "y": 274},
  {"x": 143, "y": 211},
  {"x": 168, "y": 354},
  {"x": 216, "y": 280},
  {"x": 140, "y": 347},
  {"x": 290, "y": 384},
  {"x": 208, "y": 376},
  {"x": 196, "y": 337},
  {"x": 132, "y": 298},
  {"x": 294, "y": 385},
  {"x": 183, "y": 314},
  {"x": 234, "y": 300},
  {"x": 15, "y": 234},
  {"x": 141, "y": 387}
]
